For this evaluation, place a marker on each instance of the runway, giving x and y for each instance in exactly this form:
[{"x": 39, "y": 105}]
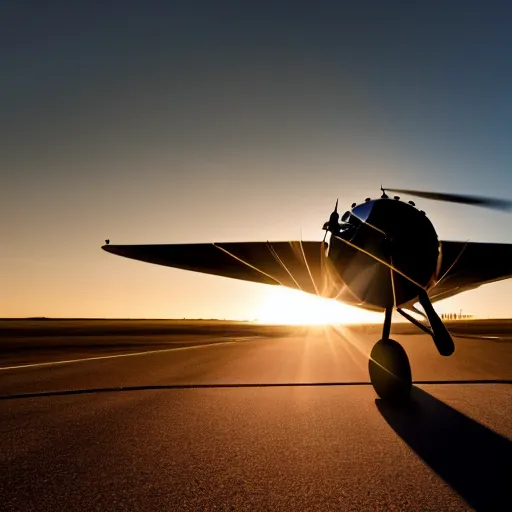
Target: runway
[{"x": 256, "y": 423}]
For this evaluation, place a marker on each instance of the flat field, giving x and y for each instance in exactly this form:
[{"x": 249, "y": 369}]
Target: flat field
[{"x": 24, "y": 341}]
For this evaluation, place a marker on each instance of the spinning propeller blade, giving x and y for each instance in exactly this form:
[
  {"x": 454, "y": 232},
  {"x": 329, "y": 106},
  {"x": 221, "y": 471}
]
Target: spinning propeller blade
[
  {"x": 333, "y": 219},
  {"x": 486, "y": 202}
]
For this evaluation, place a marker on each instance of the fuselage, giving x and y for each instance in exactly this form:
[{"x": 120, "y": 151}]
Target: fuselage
[{"x": 384, "y": 251}]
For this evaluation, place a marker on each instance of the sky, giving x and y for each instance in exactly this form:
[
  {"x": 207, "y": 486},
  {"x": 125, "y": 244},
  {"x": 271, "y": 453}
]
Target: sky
[{"x": 199, "y": 121}]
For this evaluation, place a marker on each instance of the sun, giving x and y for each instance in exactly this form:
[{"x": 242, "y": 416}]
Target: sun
[{"x": 286, "y": 306}]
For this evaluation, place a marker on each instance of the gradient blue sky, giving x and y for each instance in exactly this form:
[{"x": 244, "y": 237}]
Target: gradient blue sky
[{"x": 200, "y": 121}]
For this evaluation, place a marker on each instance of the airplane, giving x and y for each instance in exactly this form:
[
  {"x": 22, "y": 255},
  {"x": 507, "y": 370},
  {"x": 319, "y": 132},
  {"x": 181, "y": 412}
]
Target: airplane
[{"x": 384, "y": 255}]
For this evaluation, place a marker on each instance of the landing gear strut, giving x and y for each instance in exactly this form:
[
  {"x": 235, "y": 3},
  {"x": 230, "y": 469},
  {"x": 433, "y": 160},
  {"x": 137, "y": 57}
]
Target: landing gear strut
[{"x": 390, "y": 371}]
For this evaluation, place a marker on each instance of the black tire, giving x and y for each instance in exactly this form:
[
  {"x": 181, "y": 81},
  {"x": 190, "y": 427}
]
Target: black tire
[{"x": 390, "y": 371}]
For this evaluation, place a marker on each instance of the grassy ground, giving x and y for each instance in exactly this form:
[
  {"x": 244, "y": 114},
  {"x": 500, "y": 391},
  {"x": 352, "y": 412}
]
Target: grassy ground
[
  {"x": 33, "y": 328},
  {"x": 492, "y": 327},
  {"x": 84, "y": 327}
]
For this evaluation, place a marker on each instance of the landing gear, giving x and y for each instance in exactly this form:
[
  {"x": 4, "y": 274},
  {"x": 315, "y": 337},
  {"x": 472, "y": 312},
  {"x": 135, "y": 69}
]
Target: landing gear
[
  {"x": 389, "y": 368},
  {"x": 390, "y": 371}
]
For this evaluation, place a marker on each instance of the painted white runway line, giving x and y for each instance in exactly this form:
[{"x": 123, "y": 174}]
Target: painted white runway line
[{"x": 131, "y": 354}]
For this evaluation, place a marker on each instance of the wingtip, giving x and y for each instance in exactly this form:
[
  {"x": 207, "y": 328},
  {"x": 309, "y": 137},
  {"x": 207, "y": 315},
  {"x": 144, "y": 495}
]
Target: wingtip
[{"x": 108, "y": 248}]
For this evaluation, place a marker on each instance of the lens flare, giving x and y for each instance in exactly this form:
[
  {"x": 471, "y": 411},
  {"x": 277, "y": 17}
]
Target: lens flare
[{"x": 286, "y": 306}]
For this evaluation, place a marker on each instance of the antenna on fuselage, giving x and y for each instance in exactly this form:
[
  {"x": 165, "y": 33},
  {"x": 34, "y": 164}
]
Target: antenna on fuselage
[{"x": 384, "y": 195}]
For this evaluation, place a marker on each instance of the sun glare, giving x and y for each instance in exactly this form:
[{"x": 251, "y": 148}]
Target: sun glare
[{"x": 286, "y": 306}]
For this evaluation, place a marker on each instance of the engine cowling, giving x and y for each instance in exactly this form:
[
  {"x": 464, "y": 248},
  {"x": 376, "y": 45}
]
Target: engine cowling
[{"x": 384, "y": 232}]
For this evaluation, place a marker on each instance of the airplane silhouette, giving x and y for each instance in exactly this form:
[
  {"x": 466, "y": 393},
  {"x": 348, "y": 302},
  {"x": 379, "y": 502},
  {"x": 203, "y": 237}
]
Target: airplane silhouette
[{"x": 384, "y": 255}]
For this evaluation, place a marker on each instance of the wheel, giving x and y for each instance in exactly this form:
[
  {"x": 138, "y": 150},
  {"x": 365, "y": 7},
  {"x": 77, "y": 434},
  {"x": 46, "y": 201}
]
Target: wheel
[{"x": 390, "y": 371}]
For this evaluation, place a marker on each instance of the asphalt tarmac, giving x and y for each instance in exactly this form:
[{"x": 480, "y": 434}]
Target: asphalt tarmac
[{"x": 256, "y": 423}]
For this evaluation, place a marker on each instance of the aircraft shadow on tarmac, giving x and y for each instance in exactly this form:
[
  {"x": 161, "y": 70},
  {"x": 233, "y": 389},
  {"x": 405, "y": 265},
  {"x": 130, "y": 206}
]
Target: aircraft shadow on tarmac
[{"x": 474, "y": 460}]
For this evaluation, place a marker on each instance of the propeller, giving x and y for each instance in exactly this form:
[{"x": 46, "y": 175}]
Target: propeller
[
  {"x": 486, "y": 202},
  {"x": 333, "y": 220}
]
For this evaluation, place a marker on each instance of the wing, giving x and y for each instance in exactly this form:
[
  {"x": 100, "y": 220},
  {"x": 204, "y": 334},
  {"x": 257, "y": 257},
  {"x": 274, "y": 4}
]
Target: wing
[
  {"x": 304, "y": 265},
  {"x": 299, "y": 265},
  {"x": 468, "y": 265}
]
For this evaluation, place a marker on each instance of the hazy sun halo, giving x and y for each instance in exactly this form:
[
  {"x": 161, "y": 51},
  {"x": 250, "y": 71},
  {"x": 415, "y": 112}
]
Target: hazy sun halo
[{"x": 286, "y": 306}]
